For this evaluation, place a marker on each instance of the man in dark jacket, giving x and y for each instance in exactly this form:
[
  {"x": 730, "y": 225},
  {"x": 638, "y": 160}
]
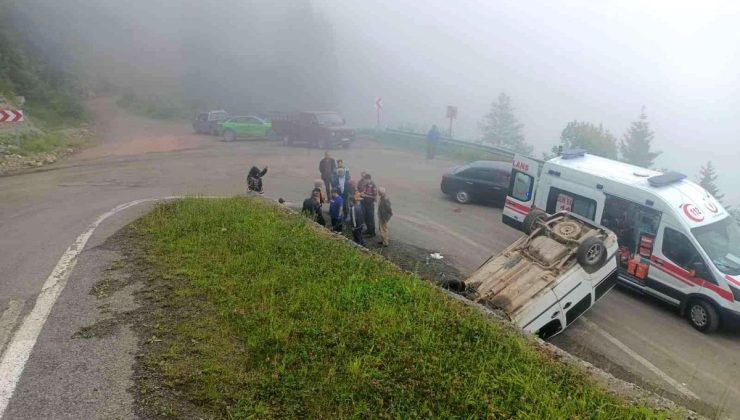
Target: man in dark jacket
[
  {"x": 312, "y": 207},
  {"x": 369, "y": 195},
  {"x": 254, "y": 179},
  {"x": 384, "y": 216},
  {"x": 327, "y": 166},
  {"x": 356, "y": 219}
]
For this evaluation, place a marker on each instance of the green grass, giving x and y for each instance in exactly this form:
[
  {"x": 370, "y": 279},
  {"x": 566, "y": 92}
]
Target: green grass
[
  {"x": 264, "y": 316},
  {"x": 37, "y": 142},
  {"x": 416, "y": 143}
]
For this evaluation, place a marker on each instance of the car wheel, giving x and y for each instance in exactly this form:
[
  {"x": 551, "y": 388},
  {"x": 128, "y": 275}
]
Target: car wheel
[
  {"x": 591, "y": 254},
  {"x": 703, "y": 316},
  {"x": 533, "y": 219},
  {"x": 229, "y": 135},
  {"x": 214, "y": 132},
  {"x": 462, "y": 197}
]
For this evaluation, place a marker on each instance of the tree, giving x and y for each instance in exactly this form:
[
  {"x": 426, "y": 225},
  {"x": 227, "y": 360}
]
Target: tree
[
  {"x": 635, "y": 145},
  {"x": 501, "y": 128},
  {"x": 707, "y": 177},
  {"x": 594, "y": 139}
]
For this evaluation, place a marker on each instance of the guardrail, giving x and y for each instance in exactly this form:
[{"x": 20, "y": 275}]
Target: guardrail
[{"x": 421, "y": 140}]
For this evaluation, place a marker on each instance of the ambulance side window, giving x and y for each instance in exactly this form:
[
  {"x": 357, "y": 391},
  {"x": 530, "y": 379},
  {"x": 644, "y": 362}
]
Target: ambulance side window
[
  {"x": 521, "y": 186},
  {"x": 559, "y": 200},
  {"x": 678, "y": 248}
]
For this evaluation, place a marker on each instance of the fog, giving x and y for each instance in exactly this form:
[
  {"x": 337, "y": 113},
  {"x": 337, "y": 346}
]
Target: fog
[{"x": 559, "y": 61}]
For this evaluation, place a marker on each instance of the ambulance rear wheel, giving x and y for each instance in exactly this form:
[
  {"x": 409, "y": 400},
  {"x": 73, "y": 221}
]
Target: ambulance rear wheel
[
  {"x": 531, "y": 222},
  {"x": 703, "y": 316},
  {"x": 591, "y": 254}
]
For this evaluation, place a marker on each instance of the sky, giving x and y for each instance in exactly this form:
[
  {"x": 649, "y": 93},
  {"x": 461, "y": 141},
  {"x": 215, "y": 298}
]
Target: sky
[{"x": 559, "y": 61}]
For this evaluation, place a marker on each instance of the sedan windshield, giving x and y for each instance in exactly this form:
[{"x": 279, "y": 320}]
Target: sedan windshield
[
  {"x": 329, "y": 120},
  {"x": 721, "y": 241}
]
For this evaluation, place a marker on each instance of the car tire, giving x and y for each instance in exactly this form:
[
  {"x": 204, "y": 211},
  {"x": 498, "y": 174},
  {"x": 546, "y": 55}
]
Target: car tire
[
  {"x": 229, "y": 135},
  {"x": 462, "y": 197},
  {"x": 702, "y": 316},
  {"x": 532, "y": 219},
  {"x": 214, "y": 132},
  {"x": 591, "y": 254}
]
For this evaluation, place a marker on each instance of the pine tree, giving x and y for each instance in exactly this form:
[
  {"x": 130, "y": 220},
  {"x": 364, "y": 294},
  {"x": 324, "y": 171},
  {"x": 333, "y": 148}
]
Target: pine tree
[
  {"x": 500, "y": 127},
  {"x": 635, "y": 145},
  {"x": 707, "y": 177}
]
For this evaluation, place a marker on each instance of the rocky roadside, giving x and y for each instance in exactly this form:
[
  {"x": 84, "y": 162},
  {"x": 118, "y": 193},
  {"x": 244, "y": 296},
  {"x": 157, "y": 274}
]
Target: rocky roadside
[{"x": 14, "y": 158}]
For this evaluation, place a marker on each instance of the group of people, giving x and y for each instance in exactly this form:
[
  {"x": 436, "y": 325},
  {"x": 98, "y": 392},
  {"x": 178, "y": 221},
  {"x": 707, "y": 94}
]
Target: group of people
[{"x": 351, "y": 202}]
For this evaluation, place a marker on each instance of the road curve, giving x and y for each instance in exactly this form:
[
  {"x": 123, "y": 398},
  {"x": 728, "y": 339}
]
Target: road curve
[{"x": 41, "y": 214}]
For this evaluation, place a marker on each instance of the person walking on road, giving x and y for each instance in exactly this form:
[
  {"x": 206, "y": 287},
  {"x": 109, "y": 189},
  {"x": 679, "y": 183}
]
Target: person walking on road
[
  {"x": 432, "y": 140},
  {"x": 336, "y": 210},
  {"x": 384, "y": 216},
  {"x": 357, "y": 219},
  {"x": 369, "y": 195},
  {"x": 327, "y": 167},
  {"x": 254, "y": 179}
]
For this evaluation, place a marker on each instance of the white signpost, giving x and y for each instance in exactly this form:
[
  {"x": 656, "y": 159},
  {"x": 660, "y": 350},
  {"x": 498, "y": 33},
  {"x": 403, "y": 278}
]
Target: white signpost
[{"x": 378, "y": 107}]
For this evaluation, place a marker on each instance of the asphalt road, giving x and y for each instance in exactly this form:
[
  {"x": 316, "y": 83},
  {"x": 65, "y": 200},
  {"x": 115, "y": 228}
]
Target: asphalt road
[{"x": 41, "y": 214}]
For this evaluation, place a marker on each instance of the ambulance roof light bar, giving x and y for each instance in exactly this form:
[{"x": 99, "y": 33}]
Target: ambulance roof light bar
[
  {"x": 573, "y": 153},
  {"x": 667, "y": 178}
]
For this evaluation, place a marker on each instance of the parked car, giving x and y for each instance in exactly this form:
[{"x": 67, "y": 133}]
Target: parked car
[
  {"x": 545, "y": 281},
  {"x": 208, "y": 122},
  {"x": 482, "y": 180},
  {"x": 245, "y": 127},
  {"x": 320, "y": 129}
]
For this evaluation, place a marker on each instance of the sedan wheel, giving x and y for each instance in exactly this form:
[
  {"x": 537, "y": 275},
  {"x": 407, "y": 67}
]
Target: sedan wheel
[
  {"x": 229, "y": 135},
  {"x": 462, "y": 197}
]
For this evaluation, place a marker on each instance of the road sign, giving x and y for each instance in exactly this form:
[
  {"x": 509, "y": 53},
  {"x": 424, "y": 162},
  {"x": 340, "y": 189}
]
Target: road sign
[
  {"x": 451, "y": 114},
  {"x": 378, "y": 103},
  {"x": 10, "y": 115}
]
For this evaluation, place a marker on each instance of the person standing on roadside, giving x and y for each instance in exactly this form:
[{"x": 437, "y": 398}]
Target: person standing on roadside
[
  {"x": 369, "y": 195},
  {"x": 384, "y": 216},
  {"x": 327, "y": 167},
  {"x": 432, "y": 140},
  {"x": 340, "y": 165},
  {"x": 336, "y": 210},
  {"x": 254, "y": 180},
  {"x": 361, "y": 182},
  {"x": 312, "y": 207},
  {"x": 340, "y": 182},
  {"x": 356, "y": 219},
  {"x": 320, "y": 185}
]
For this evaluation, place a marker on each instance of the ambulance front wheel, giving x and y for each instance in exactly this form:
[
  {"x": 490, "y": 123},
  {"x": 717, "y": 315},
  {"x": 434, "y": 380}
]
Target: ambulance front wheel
[{"x": 703, "y": 316}]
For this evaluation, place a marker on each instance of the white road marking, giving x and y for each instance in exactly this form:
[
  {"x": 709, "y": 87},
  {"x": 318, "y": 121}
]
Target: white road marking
[
  {"x": 651, "y": 367},
  {"x": 7, "y": 321},
  {"x": 19, "y": 349}
]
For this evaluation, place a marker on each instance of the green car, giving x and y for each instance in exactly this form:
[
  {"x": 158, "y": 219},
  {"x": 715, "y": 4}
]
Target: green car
[{"x": 246, "y": 127}]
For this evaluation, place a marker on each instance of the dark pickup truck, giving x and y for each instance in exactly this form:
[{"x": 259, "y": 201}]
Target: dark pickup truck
[{"x": 322, "y": 129}]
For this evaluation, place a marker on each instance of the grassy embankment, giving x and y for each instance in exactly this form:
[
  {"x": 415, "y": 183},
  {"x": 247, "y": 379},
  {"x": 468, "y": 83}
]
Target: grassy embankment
[
  {"x": 416, "y": 142},
  {"x": 53, "y": 107},
  {"x": 261, "y": 314}
]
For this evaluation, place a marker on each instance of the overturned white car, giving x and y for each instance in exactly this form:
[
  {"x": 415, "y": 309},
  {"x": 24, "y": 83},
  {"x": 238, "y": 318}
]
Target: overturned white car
[{"x": 545, "y": 281}]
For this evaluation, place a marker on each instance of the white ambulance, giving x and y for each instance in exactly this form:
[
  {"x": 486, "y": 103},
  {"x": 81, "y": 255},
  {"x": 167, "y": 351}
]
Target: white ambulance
[{"x": 676, "y": 242}]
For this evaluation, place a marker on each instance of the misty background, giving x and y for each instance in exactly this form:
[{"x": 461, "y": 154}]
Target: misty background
[{"x": 575, "y": 60}]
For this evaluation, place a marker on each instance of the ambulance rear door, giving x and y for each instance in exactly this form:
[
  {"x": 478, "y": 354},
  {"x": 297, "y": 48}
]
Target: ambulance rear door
[{"x": 525, "y": 173}]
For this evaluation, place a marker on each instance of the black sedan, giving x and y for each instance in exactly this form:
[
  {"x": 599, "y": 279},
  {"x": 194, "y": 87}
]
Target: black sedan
[{"x": 482, "y": 181}]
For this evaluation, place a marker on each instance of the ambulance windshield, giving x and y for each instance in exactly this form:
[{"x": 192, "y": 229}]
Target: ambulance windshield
[{"x": 721, "y": 241}]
